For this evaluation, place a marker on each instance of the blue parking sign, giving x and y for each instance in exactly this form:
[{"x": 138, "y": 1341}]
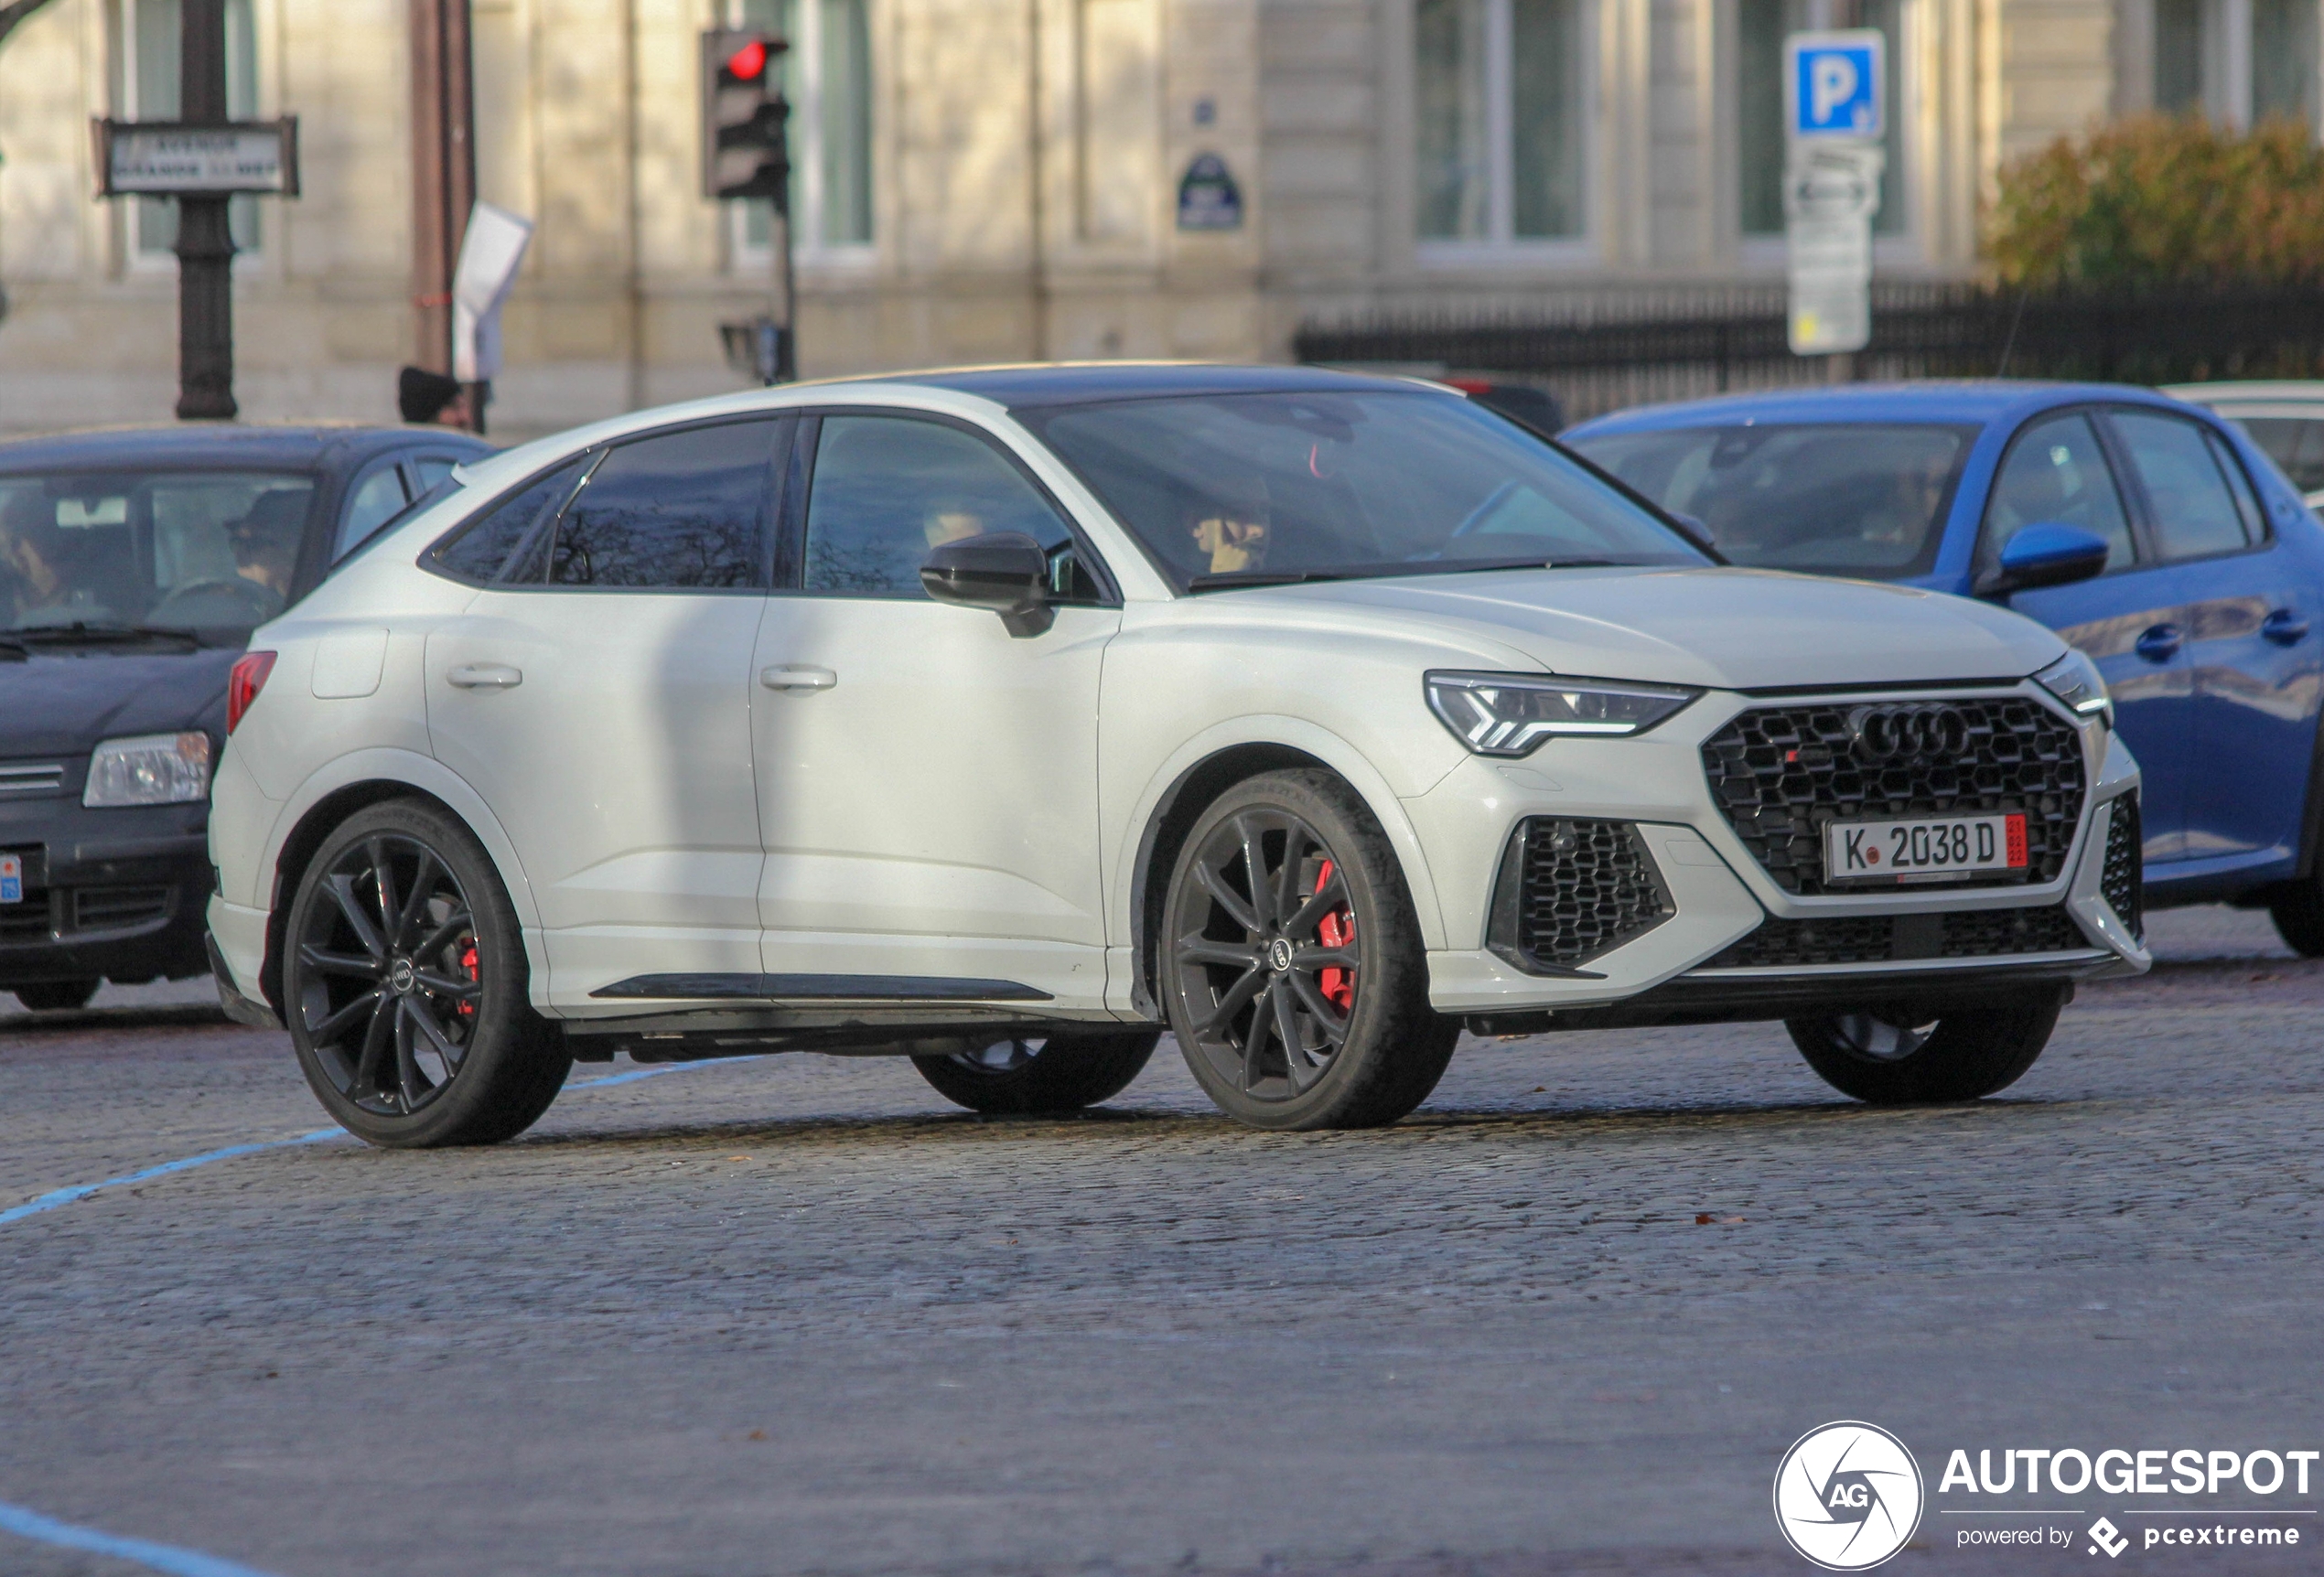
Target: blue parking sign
[{"x": 1832, "y": 84}]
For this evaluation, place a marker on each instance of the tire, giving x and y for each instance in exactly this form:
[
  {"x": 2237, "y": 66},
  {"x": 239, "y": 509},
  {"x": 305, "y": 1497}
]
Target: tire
[
  {"x": 1295, "y": 1012},
  {"x": 2299, "y": 916},
  {"x": 1029, "y": 1078},
  {"x": 409, "y": 1006},
  {"x": 1963, "y": 1056},
  {"x": 56, "y": 996}
]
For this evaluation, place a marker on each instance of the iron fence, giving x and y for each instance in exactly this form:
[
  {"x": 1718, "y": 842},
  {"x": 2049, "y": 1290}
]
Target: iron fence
[{"x": 1647, "y": 346}]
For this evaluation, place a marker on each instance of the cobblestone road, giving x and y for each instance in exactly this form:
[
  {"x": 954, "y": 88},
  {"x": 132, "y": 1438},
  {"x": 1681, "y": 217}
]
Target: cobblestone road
[{"x": 798, "y": 1315}]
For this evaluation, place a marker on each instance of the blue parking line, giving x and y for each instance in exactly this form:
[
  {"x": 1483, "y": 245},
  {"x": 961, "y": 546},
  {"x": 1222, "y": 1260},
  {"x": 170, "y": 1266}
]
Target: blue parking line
[
  {"x": 50, "y": 1201},
  {"x": 144, "y": 1553}
]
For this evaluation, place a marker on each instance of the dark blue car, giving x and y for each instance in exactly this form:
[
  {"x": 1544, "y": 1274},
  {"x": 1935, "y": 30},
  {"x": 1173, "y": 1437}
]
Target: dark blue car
[
  {"x": 132, "y": 567},
  {"x": 2152, "y": 535}
]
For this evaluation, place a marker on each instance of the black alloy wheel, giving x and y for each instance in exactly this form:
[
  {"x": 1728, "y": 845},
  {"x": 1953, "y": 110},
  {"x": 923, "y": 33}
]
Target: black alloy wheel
[
  {"x": 1020, "y": 1076},
  {"x": 1292, "y": 966},
  {"x": 1902, "y": 1058},
  {"x": 404, "y": 986}
]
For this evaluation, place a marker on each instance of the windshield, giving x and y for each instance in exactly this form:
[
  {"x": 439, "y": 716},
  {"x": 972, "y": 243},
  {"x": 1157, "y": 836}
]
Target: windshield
[
  {"x": 1221, "y": 489},
  {"x": 200, "y": 550},
  {"x": 1866, "y": 500}
]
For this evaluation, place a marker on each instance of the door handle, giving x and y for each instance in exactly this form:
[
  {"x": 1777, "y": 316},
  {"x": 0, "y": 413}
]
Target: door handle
[
  {"x": 485, "y": 676},
  {"x": 2285, "y": 626},
  {"x": 2160, "y": 644},
  {"x": 797, "y": 676}
]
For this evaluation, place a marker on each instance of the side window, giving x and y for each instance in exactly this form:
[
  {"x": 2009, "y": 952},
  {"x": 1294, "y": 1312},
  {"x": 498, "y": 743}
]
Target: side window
[
  {"x": 480, "y": 548},
  {"x": 684, "y": 510},
  {"x": 2194, "y": 514},
  {"x": 433, "y": 469},
  {"x": 2056, "y": 471},
  {"x": 2246, "y": 501},
  {"x": 374, "y": 502},
  {"x": 2294, "y": 443},
  {"x": 888, "y": 489}
]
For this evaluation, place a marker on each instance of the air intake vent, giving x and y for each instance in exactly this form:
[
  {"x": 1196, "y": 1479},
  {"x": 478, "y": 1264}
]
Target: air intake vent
[
  {"x": 1572, "y": 890},
  {"x": 118, "y": 908},
  {"x": 2125, "y": 881},
  {"x": 31, "y": 778}
]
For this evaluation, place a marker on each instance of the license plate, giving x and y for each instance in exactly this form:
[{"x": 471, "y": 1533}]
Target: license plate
[
  {"x": 11, "y": 878},
  {"x": 1925, "y": 849}
]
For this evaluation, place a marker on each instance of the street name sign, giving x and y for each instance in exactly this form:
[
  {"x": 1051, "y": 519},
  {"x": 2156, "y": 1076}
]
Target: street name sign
[{"x": 163, "y": 158}]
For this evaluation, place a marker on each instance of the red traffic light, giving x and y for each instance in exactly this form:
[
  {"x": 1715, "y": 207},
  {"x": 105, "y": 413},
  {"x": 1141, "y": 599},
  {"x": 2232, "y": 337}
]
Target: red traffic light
[{"x": 745, "y": 63}]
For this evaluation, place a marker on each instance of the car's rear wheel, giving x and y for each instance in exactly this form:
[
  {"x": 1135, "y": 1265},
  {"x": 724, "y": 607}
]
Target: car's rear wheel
[
  {"x": 1892, "y": 1058},
  {"x": 1291, "y": 963},
  {"x": 1030, "y": 1077},
  {"x": 2299, "y": 916},
  {"x": 56, "y": 996},
  {"x": 404, "y": 985}
]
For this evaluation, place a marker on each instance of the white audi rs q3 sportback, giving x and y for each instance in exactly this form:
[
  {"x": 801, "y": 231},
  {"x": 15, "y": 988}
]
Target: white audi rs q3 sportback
[{"x": 1002, "y": 718}]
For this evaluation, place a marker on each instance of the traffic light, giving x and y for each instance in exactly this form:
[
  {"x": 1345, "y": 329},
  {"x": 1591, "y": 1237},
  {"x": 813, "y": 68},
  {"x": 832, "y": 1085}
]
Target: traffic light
[{"x": 744, "y": 151}]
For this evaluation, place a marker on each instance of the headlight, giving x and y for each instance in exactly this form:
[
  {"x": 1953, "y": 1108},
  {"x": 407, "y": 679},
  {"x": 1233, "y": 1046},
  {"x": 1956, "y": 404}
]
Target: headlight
[
  {"x": 1510, "y": 713},
  {"x": 150, "y": 769},
  {"x": 2075, "y": 680}
]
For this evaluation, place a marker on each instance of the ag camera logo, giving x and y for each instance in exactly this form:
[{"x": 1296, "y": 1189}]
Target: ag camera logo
[{"x": 1847, "y": 1496}]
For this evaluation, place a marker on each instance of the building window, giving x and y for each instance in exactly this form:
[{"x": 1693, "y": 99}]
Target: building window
[
  {"x": 2239, "y": 61},
  {"x": 1761, "y": 27},
  {"x": 152, "y": 33},
  {"x": 1499, "y": 96},
  {"x": 827, "y": 75}
]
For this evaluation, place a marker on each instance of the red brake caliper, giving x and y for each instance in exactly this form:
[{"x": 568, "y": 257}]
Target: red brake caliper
[
  {"x": 468, "y": 962},
  {"x": 1336, "y": 929}
]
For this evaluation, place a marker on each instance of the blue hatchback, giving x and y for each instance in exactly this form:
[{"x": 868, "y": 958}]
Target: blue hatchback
[{"x": 2155, "y": 536}]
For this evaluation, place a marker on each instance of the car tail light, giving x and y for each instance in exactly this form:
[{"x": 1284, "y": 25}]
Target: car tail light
[{"x": 243, "y": 684}]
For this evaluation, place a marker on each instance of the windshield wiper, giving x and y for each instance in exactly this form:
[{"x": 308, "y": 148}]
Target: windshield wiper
[
  {"x": 1260, "y": 578},
  {"x": 80, "y": 634}
]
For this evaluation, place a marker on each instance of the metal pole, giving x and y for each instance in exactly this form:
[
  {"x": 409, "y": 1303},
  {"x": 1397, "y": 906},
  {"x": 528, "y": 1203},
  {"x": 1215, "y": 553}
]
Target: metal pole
[
  {"x": 787, "y": 264},
  {"x": 205, "y": 236},
  {"x": 443, "y": 175}
]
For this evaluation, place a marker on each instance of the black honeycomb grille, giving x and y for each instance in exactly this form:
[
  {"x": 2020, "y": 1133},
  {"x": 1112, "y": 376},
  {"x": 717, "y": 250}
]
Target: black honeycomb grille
[
  {"x": 1781, "y": 773},
  {"x": 2125, "y": 881},
  {"x": 1582, "y": 888},
  {"x": 1903, "y": 939}
]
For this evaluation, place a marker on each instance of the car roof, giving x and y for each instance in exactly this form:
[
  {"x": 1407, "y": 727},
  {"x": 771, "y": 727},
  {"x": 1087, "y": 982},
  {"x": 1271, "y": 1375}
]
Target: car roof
[
  {"x": 1980, "y": 402},
  {"x": 1090, "y": 382},
  {"x": 220, "y": 448}
]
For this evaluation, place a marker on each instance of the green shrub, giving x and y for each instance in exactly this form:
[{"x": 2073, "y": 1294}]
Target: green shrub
[{"x": 2160, "y": 200}]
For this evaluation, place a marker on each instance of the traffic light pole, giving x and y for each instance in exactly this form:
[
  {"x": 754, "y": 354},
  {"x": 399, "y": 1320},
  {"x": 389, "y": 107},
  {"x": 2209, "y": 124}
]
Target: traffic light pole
[
  {"x": 205, "y": 234},
  {"x": 787, "y": 265}
]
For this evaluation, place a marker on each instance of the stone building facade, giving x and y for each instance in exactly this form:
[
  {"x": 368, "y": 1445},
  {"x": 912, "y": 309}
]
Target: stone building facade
[{"x": 1003, "y": 179}]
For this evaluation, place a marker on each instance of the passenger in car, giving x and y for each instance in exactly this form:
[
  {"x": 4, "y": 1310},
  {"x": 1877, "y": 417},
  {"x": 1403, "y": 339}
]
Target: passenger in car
[
  {"x": 37, "y": 558},
  {"x": 943, "y": 526}
]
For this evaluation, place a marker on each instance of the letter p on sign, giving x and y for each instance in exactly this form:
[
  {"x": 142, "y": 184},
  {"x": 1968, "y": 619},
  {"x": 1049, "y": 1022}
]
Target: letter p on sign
[{"x": 1832, "y": 85}]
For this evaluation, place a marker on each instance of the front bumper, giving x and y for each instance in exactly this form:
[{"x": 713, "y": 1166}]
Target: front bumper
[
  {"x": 112, "y": 894},
  {"x": 1687, "y": 967}
]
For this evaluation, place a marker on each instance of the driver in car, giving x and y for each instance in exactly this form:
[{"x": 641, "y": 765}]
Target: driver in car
[
  {"x": 265, "y": 541},
  {"x": 1230, "y": 527}
]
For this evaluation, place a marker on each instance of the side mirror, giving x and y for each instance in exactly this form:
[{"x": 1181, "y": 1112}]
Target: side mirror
[
  {"x": 1697, "y": 531},
  {"x": 2046, "y": 553},
  {"x": 1002, "y": 572}
]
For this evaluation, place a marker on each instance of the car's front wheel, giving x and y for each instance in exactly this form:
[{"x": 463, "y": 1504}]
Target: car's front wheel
[
  {"x": 56, "y": 996},
  {"x": 1291, "y": 963},
  {"x": 1891, "y": 1059},
  {"x": 2299, "y": 916},
  {"x": 404, "y": 986},
  {"x": 1022, "y": 1076}
]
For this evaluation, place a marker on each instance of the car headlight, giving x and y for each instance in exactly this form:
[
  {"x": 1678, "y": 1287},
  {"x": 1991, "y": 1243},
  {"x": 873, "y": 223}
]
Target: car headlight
[
  {"x": 2075, "y": 680},
  {"x": 149, "y": 769},
  {"x": 1510, "y": 713}
]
